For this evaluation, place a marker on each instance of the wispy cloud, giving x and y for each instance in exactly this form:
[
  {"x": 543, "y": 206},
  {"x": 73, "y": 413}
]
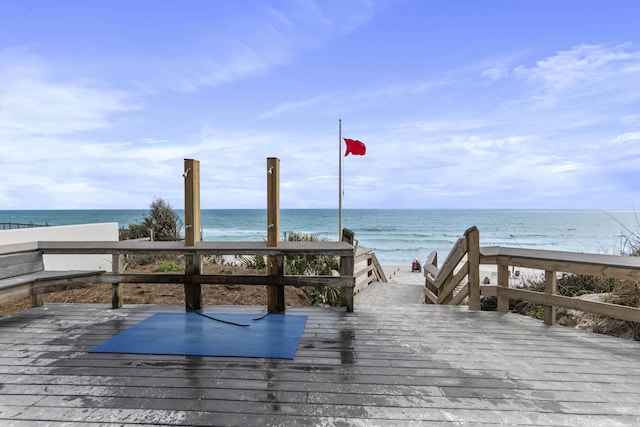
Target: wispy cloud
[
  {"x": 581, "y": 64},
  {"x": 32, "y": 102},
  {"x": 255, "y": 43},
  {"x": 360, "y": 99},
  {"x": 584, "y": 71},
  {"x": 297, "y": 105}
]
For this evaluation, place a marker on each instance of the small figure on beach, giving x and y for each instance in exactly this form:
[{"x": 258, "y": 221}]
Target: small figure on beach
[{"x": 415, "y": 266}]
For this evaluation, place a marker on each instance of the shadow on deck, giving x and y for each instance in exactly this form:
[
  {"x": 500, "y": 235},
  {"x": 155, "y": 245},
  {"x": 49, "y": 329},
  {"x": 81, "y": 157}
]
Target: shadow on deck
[{"x": 394, "y": 361}]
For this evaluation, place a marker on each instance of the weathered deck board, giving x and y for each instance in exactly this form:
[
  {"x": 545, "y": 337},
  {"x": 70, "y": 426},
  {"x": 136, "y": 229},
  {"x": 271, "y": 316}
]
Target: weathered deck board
[{"x": 401, "y": 363}]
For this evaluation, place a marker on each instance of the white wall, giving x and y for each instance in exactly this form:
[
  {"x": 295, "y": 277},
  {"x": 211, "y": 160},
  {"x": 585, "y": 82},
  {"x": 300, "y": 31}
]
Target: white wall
[{"x": 107, "y": 231}]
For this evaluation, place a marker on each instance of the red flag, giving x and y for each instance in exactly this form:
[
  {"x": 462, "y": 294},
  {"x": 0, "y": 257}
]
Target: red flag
[{"x": 355, "y": 147}]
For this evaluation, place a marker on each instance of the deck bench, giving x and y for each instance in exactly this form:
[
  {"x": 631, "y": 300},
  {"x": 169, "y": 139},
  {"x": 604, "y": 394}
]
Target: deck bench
[{"x": 23, "y": 274}]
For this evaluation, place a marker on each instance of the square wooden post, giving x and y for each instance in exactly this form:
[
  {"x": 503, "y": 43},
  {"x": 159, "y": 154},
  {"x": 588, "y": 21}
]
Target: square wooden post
[
  {"x": 550, "y": 287},
  {"x": 503, "y": 282},
  {"x": 117, "y": 261},
  {"x": 37, "y": 300},
  {"x": 473, "y": 259},
  {"x": 193, "y": 264},
  {"x": 275, "y": 265},
  {"x": 346, "y": 269},
  {"x": 433, "y": 260}
]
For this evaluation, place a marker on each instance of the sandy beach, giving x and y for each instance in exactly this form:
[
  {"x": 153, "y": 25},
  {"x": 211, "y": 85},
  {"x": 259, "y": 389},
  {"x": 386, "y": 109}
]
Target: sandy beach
[
  {"x": 518, "y": 277},
  {"x": 402, "y": 274}
]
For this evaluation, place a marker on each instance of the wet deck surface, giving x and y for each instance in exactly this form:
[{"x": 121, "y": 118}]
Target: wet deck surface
[{"x": 393, "y": 362}]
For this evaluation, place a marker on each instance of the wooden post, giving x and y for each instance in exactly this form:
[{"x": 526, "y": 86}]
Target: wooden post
[
  {"x": 346, "y": 269},
  {"x": 433, "y": 260},
  {"x": 550, "y": 285},
  {"x": 117, "y": 261},
  {"x": 275, "y": 265},
  {"x": 36, "y": 299},
  {"x": 473, "y": 258},
  {"x": 193, "y": 264},
  {"x": 503, "y": 282}
]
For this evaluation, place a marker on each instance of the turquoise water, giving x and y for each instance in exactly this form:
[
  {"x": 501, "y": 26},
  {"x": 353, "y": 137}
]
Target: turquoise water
[{"x": 396, "y": 235}]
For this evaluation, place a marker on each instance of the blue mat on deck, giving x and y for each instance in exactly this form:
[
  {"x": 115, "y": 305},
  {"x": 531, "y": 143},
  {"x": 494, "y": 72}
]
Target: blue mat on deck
[{"x": 190, "y": 334}]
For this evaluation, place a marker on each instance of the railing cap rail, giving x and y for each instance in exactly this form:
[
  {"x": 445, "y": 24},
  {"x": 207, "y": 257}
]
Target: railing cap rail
[
  {"x": 221, "y": 248},
  {"x": 490, "y": 254}
]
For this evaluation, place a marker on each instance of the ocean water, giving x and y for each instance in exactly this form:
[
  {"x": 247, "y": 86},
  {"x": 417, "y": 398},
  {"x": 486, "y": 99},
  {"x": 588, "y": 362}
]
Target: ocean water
[{"x": 396, "y": 235}]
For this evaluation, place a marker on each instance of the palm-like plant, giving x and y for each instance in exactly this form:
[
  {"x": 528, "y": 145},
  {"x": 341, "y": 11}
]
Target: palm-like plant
[{"x": 306, "y": 265}]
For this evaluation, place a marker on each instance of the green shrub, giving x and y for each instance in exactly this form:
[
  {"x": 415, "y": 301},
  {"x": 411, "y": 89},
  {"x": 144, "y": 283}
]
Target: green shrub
[
  {"x": 309, "y": 264},
  {"x": 312, "y": 265},
  {"x": 305, "y": 265},
  {"x": 256, "y": 262},
  {"x": 168, "y": 266},
  {"x": 162, "y": 221}
]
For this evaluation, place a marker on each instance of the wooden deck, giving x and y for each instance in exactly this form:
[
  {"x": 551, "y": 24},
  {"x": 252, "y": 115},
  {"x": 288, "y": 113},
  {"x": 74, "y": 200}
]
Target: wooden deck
[{"x": 388, "y": 364}]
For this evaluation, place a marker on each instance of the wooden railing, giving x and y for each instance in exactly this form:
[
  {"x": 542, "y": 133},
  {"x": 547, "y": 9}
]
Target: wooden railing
[
  {"x": 358, "y": 268},
  {"x": 369, "y": 272},
  {"x": 344, "y": 250},
  {"x": 445, "y": 285},
  {"x": 553, "y": 262}
]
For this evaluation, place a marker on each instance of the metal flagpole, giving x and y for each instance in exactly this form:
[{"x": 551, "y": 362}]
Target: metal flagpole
[{"x": 339, "y": 180}]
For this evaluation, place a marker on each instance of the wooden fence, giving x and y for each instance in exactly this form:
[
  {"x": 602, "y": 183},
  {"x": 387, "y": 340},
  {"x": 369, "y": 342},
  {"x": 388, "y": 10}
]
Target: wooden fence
[
  {"x": 344, "y": 250},
  {"x": 445, "y": 285},
  {"x": 359, "y": 267}
]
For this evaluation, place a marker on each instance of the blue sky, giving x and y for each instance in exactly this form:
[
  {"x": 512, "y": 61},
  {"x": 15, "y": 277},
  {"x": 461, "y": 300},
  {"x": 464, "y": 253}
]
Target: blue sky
[{"x": 462, "y": 104}]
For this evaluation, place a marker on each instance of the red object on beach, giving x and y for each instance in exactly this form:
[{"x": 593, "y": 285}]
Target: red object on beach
[{"x": 355, "y": 147}]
